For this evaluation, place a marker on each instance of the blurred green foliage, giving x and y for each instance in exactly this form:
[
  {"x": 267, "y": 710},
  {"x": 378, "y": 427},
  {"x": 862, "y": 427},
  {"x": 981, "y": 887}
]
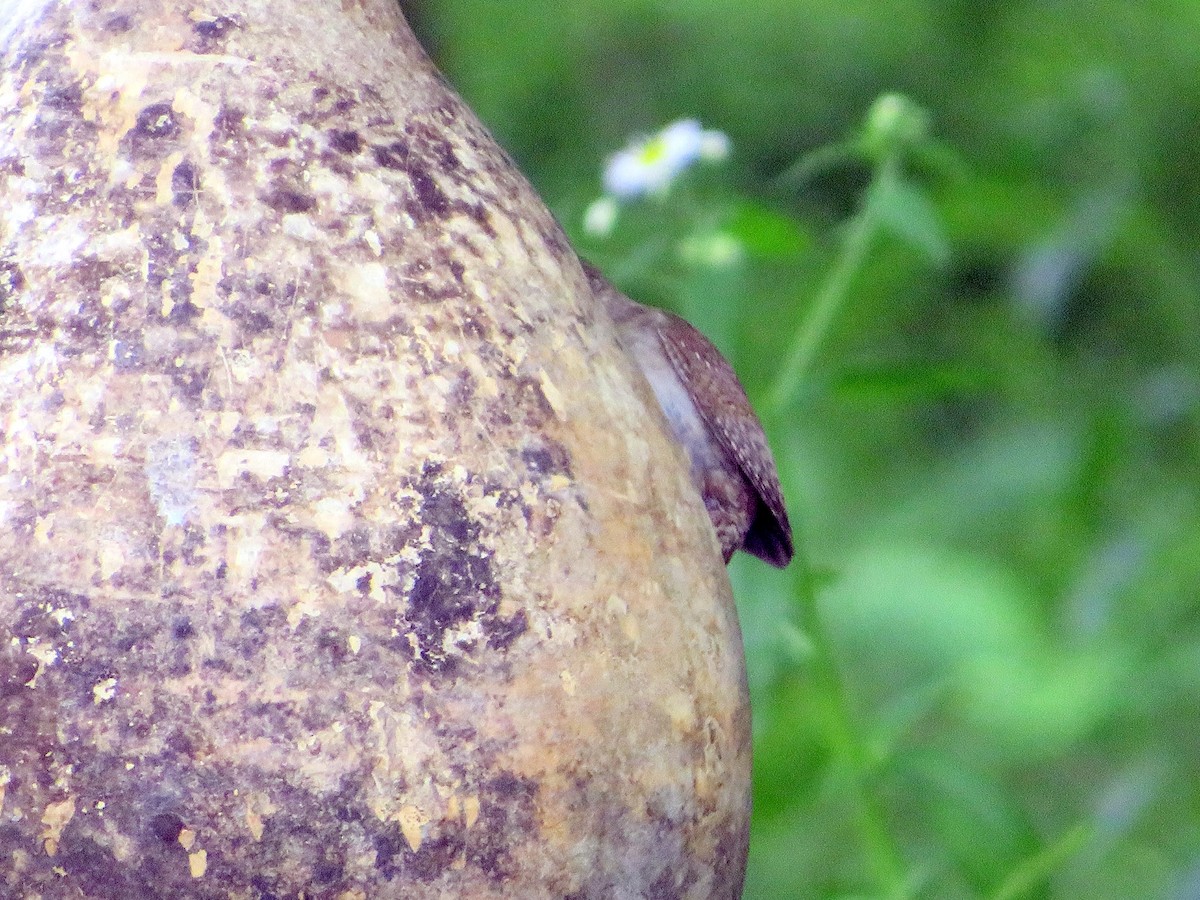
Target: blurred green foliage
[{"x": 982, "y": 677}]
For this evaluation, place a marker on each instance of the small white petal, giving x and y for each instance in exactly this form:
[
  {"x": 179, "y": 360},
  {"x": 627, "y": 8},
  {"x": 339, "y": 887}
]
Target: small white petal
[
  {"x": 680, "y": 143},
  {"x": 624, "y": 176},
  {"x": 631, "y": 174},
  {"x": 601, "y": 216},
  {"x": 714, "y": 146}
]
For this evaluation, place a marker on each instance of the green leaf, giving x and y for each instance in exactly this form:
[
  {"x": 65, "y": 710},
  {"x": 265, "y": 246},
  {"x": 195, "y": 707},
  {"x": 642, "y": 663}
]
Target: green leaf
[
  {"x": 908, "y": 213},
  {"x": 768, "y": 234},
  {"x": 1037, "y": 707},
  {"x": 977, "y": 824}
]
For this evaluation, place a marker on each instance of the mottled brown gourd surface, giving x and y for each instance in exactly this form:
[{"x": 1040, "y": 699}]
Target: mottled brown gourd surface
[{"x": 342, "y": 549}]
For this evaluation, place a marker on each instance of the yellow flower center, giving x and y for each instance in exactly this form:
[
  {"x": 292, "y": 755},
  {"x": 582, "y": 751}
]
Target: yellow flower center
[{"x": 654, "y": 150}]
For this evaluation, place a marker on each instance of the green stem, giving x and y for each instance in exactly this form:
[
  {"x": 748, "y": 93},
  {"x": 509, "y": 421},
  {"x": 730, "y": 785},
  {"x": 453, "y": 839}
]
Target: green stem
[
  {"x": 834, "y": 290},
  {"x": 848, "y": 746},
  {"x": 820, "y": 160},
  {"x": 1031, "y": 873}
]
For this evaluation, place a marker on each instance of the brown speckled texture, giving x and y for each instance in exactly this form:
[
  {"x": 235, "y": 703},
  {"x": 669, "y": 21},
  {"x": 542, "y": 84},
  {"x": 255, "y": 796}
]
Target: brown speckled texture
[{"x": 341, "y": 551}]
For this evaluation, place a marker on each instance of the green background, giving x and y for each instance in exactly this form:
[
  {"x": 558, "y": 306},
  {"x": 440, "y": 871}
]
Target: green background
[{"x": 994, "y": 464}]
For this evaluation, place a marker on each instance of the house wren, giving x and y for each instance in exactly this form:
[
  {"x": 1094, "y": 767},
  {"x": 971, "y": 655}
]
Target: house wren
[{"x": 710, "y": 415}]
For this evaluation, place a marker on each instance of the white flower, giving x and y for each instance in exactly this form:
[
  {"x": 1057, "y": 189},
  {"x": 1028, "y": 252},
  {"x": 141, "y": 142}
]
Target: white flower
[
  {"x": 649, "y": 165},
  {"x": 714, "y": 146},
  {"x": 601, "y": 216}
]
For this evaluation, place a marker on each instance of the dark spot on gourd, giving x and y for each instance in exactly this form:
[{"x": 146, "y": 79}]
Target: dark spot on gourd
[
  {"x": 345, "y": 141},
  {"x": 435, "y": 856},
  {"x": 182, "y": 629},
  {"x": 229, "y": 123},
  {"x": 185, "y": 183},
  {"x": 501, "y": 633},
  {"x": 184, "y": 313},
  {"x": 166, "y": 827},
  {"x": 64, "y": 97},
  {"x": 389, "y": 844},
  {"x": 156, "y": 122},
  {"x": 550, "y": 458},
  {"x": 59, "y": 121},
  {"x": 253, "y": 322},
  {"x": 327, "y": 870},
  {"x": 445, "y": 593},
  {"x": 453, "y": 584},
  {"x": 429, "y": 195},
  {"x": 332, "y": 644},
  {"x": 392, "y": 156},
  {"x": 190, "y": 382},
  {"x": 194, "y": 541},
  {"x": 507, "y": 817},
  {"x": 17, "y": 669},
  {"x": 287, "y": 200},
  {"x": 12, "y": 282},
  {"x": 214, "y": 28},
  {"x": 506, "y": 814},
  {"x": 479, "y": 213}
]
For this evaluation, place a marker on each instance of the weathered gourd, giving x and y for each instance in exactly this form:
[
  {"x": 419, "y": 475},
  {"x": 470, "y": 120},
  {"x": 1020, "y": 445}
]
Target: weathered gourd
[{"x": 342, "y": 550}]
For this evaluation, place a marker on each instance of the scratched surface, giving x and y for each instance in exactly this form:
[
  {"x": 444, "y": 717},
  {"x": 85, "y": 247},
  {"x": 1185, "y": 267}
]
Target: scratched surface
[{"x": 339, "y": 552}]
